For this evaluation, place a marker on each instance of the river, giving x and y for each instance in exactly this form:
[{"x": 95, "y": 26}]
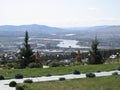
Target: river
[{"x": 68, "y": 43}]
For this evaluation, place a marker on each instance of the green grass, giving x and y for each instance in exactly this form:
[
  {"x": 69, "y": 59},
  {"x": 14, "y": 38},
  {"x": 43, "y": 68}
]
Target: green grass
[
  {"x": 101, "y": 83},
  {"x": 57, "y": 70}
]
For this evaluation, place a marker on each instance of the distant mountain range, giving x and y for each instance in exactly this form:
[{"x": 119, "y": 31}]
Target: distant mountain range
[
  {"x": 107, "y": 35},
  {"x": 87, "y": 28},
  {"x": 45, "y": 28},
  {"x": 32, "y": 27},
  {"x": 42, "y": 29}
]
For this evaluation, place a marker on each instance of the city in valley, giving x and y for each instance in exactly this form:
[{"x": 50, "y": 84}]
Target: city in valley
[{"x": 51, "y": 40}]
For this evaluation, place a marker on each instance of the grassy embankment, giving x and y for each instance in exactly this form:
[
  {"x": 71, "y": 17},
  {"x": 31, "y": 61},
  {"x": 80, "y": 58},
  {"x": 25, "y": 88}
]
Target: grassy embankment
[
  {"x": 57, "y": 70},
  {"x": 98, "y": 83}
]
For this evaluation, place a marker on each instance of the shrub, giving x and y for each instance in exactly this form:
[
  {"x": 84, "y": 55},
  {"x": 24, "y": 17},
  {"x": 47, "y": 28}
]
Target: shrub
[
  {"x": 28, "y": 81},
  {"x": 62, "y": 79},
  {"x": 12, "y": 65},
  {"x": 118, "y": 68},
  {"x": 19, "y": 88},
  {"x": 18, "y": 76},
  {"x": 75, "y": 64},
  {"x": 90, "y": 75},
  {"x": 76, "y": 72},
  {"x": 78, "y": 63},
  {"x": 35, "y": 65},
  {"x": 47, "y": 75},
  {"x": 98, "y": 71},
  {"x": 1, "y": 77},
  {"x": 55, "y": 64},
  {"x": 12, "y": 84},
  {"x": 115, "y": 73}
]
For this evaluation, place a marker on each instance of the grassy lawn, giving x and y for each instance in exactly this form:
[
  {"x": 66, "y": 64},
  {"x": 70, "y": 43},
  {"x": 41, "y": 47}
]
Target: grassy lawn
[
  {"x": 101, "y": 83},
  {"x": 57, "y": 70}
]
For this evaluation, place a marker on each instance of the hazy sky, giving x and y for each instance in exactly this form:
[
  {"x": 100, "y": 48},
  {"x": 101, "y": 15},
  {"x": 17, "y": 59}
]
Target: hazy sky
[{"x": 60, "y": 13}]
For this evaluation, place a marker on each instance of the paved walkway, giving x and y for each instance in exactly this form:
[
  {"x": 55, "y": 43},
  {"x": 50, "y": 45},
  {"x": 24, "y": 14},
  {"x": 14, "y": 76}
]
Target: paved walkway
[{"x": 4, "y": 83}]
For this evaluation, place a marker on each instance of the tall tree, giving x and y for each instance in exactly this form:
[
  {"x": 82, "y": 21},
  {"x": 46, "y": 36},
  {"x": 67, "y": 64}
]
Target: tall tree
[
  {"x": 26, "y": 52},
  {"x": 95, "y": 56}
]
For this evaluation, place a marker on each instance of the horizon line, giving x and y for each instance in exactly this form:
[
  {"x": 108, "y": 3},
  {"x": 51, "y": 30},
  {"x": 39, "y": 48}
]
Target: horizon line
[{"x": 59, "y": 26}]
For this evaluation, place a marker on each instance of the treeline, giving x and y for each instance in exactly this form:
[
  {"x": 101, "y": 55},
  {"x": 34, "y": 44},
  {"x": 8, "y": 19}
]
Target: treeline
[{"x": 54, "y": 57}]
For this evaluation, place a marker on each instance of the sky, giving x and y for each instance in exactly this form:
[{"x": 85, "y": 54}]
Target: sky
[{"x": 60, "y": 13}]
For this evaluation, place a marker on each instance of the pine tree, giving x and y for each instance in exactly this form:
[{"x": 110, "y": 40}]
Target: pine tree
[
  {"x": 95, "y": 56},
  {"x": 26, "y": 52}
]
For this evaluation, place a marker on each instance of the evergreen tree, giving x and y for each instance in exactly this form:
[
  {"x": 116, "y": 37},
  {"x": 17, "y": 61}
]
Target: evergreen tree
[
  {"x": 95, "y": 56},
  {"x": 26, "y": 52}
]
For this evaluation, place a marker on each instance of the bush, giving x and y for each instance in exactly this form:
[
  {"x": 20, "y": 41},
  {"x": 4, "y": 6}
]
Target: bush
[
  {"x": 115, "y": 73},
  {"x": 12, "y": 84},
  {"x": 28, "y": 81},
  {"x": 12, "y": 65},
  {"x": 78, "y": 63},
  {"x": 55, "y": 64},
  {"x": 19, "y": 88},
  {"x": 75, "y": 63},
  {"x": 76, "y": 72},
  {"x": 35, "y": 65},
  {"x": 1, "y": 77},
  {"x": 98, "y": 71},
  {"x": 90, "y": 75},
  {"x": 18, "y": 76},
  {"x": 62, "y": 79},
  {"x": 47, "y": 75},
  {"x": 118, "y": 68}
]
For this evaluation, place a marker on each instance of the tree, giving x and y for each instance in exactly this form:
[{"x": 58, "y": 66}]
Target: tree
[
  {"x": 95, "y": 56},
  {"x": 37, "y": 57},
  {"x": 73, "y": 54},
  {"x": 78, "y": 59},
  {"x": 4, "y": 59},
  {"x": 26, "y": 52}
]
